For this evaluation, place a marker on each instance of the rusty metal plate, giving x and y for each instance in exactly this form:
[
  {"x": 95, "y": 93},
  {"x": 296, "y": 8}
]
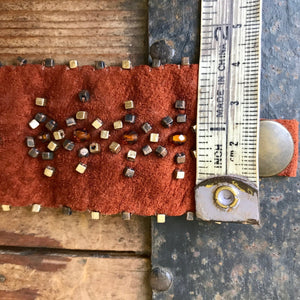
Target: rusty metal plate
[{"x": 237, "y": 261}]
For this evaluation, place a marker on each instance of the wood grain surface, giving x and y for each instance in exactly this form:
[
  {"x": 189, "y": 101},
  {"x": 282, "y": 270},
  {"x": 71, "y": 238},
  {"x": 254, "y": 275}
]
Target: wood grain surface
[
  {"x": 47, "y": 276},
  {"x": 83, "y": 30},
  {"x": 49, "y": 255},
  {"x": 51, "y": 229}
]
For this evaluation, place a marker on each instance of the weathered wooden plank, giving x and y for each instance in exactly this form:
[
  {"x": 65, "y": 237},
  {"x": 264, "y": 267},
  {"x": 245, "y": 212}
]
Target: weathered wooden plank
[
  {"x": 51, "y": 229},
  {"x": 71, "y": 5},
  {"x": 66, "y": 16},
  {"x": 65, "y": 277},
  {"x": 66, "y": 32},
  {"x": 70, "y": 42},
  {"x": 99, "y": 24},
  {"x": 95, "y": 51},
  {"x": 91, "y": 30}
]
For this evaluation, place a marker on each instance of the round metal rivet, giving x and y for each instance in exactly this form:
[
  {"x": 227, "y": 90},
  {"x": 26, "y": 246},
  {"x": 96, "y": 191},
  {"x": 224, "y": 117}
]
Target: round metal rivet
[
  {"x": 160, "y": 279},
  {"x": 226, "y": 197},
  {"x": 276, "y": 148}
]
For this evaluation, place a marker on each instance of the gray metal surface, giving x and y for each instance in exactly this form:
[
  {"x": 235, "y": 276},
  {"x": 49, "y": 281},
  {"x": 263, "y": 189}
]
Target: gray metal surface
[
  {"x": 235, "y": 261},
  {"x": 177, "y": 22}
]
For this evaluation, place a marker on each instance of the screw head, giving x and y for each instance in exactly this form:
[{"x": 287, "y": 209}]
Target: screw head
[{"x": 160, "y": 279}]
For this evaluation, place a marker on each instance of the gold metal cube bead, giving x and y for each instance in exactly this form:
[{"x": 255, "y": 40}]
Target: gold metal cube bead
[
  {"x": 161, "y": 151},
  {"x": 161, "y": 218},
  {"x": 40, "y": 101},
  {"x": 81, "y": 115},
  {"x": 180, "y": 158},
  {"x": 33, "y": 124},
  {"x": 181, "y": 118},
  {"x": 30, "y": 142},
  {"x": 100, "y": 64},
  {"x": 97, "y": 123},
  {"x": 179, "y": 174},
  {"x": 180, "y": 104},
  {"x": 156, "y": 63},
  {"x": 33, "y": 152},
  {"x": 194, "y": 153},
  {"x": 167, "y": 122},
  {"x": 190, "y": 216},
  {"x": 47, "y": 155},
  {"x": 154, "y": 137},
  {"x": 49, "y": 171},
  {"x": 126, "y": 64},
  {"x": 36, "y": 208},
  {"x": 81, "y": 168},
  {"x": 53, "y": 146},
  {"x": 94, "y": 148},
  {"x": 95, "y": 215},
  {"x": 51, "y": 125},
  {"x": 185, "y": 61},
  {"x": 131, "y": 155},
  {"x": 146, "y": 150},
  {"x": 59, "y": 134},
  {"x": 129, "y": 104},
  {"x": 118, "y": 124},
  {"x": 126, "y": 216},
  {"x": 104, "y": 134},
  {"x": 66, "y": 210},
  {"x": 68, "y": 145},
  {"x": 73, "y": 64},
  {"x": 128, "y": 172},
  {"x": 114, "y": 147},
  {"x": 5, "y": 207},
  {"x": 146, "y": 127},
  {"x": 70, "y": 122},
  {"x": 48, "y": 62},
  {"x": 40, "y": 117}
]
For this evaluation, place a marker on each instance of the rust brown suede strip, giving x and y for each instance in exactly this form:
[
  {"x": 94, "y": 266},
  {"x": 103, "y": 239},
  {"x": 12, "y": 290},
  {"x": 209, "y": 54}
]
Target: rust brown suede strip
[{"x": 103, "y": 186}]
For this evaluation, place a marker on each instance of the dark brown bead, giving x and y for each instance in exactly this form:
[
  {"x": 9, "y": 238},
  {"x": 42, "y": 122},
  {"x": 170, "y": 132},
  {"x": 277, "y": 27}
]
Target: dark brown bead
[
  {"x": 181, "y": 118},
  {"x": 130, "y": 137},
  {"x": 180, "y": 158},
  {"x": 21, "y": 61},
  {"x": 47, "y": 155},
  {"x": 128, "y": 172},
  {"x": 129, "y": 118},
  {"x": 146, "y": 127},
  {"x": 51, "y": 125},
  {"x": 180, "y": 104},
  {"x": 99, "y": 65},
  {"x": 161, "y": 151},
  {"x": 81, "y": 135},
  {"x": 40, "y": 117},
  {"x": 84, "y": 96},
  {"x": 167, "y": 122},
  {"x": 146, "y": 150},
  {"x": 44, "y": 137},
  {"x": 48, "y": 62},
  {"x": 33, "y": 152},
  {"x": 68, "y": 145},
  {"x": 67, "y": 211}
]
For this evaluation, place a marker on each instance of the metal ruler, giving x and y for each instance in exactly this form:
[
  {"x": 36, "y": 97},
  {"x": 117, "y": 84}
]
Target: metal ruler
[{"x": 228, "y": 111}]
